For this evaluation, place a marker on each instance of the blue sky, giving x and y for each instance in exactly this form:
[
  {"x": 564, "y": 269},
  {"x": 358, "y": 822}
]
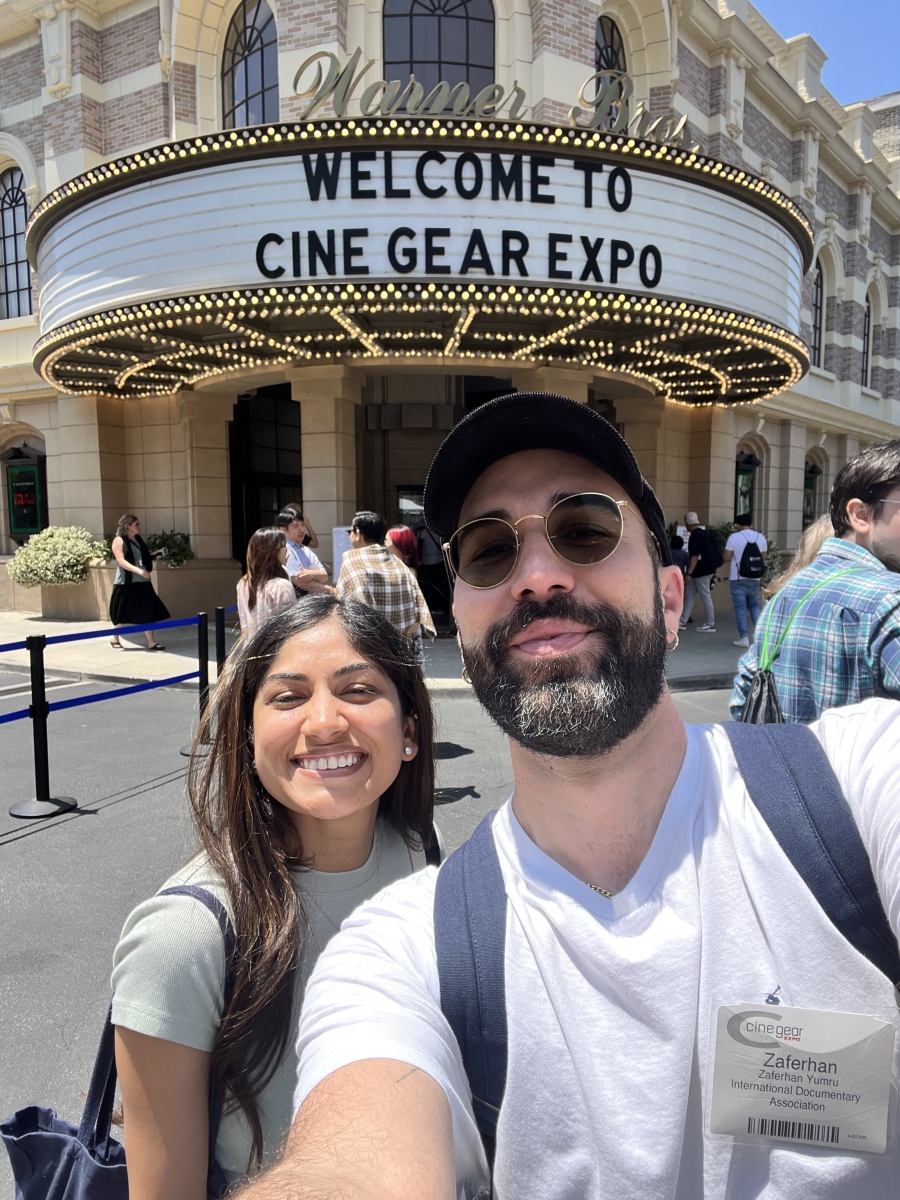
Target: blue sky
[{"x": 862, "y": 41}]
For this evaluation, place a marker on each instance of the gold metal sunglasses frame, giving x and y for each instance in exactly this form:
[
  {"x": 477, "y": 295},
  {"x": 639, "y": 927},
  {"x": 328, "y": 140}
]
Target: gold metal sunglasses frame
[{"x": 513, "y": 525}]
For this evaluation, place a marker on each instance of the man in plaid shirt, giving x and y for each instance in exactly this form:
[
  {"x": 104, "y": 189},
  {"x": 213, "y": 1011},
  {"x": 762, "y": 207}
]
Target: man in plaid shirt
[
  {"x": 843, "y": 643},
  {"x": 374, "y": 576}
]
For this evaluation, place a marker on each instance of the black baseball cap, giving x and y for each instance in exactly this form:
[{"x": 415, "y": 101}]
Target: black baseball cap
[{"x": 532, "y": 421}]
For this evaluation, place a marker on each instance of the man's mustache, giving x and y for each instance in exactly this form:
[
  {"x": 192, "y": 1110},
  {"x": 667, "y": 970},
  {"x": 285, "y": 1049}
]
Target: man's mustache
[{"x": 599, "y": 618}]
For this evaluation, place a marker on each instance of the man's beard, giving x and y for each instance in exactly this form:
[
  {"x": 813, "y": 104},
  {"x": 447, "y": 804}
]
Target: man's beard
[{"x": 579, "y": 705}]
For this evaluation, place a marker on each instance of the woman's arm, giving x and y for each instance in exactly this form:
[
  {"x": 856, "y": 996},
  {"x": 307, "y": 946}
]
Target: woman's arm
[
  {"x": 119, "y": 556},
  {"x": 165, "y": 1099}
]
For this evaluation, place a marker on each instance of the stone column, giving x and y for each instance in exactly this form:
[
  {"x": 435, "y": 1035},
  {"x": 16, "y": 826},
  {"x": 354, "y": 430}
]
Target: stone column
[
  {"x": 564, "y": 381},
  {"x": 640, "y": 420},
  {"x": 848, "y": 447},
  {"x": 328, "y": 396},
  {"x": 711, "y": 476},
  {"x": 86, "y": 481},
  {"x": 204, "y": 418},
  {"x": 790, "y": 483}
]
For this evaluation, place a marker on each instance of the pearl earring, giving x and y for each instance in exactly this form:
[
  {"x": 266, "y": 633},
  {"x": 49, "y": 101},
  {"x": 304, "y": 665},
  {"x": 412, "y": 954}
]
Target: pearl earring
[{"x": 408, "y": 750}]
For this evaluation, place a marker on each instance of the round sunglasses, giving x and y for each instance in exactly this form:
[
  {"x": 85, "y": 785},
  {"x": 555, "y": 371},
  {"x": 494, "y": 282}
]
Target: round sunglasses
[{"x": 584, "y": 529}]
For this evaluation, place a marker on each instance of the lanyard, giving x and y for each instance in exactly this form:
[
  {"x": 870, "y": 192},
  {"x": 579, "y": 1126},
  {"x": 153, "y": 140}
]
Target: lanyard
[{"x": 766, "y": 659}]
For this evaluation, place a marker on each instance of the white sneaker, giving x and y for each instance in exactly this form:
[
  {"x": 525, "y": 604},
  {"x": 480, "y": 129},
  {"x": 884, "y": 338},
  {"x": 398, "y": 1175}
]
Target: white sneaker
[
  {"x": 706, "y": 629},
  {"x": 741, "y": 642},
  {"x": 682, "y": 624}
]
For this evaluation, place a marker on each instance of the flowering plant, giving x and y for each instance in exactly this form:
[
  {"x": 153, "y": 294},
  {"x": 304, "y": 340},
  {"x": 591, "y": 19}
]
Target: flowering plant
[{"x": 58, "y": 556}]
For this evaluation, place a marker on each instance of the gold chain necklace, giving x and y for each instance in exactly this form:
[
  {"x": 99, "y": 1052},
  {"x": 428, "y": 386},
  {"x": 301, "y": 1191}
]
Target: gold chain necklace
[{"x": 602, "y": 891}]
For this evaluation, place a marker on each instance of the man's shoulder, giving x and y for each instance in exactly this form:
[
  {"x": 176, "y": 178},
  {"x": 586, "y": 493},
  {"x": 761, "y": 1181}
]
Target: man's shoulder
[{"x": 857, "y": 582}]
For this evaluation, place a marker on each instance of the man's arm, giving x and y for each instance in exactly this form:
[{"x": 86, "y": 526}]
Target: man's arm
[
  {"x": 727, "y": 555},
  {"x": 374, "y": 1130},
  {"x": 310, "y": 579}
]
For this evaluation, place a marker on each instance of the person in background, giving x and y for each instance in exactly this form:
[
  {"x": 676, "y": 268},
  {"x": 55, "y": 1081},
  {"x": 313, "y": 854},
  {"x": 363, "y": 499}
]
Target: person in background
[
  {"x": 703, "y": 560},
  {"x": 134, "y": 600},
  {"x": 680, "y": 556},
  {"x": 265, "y": 589},
  {"x": 811, "y": 542},
  {"x": 317, "y": 791},
  {"x": 836, "y": 623},
  {"x": 432, "y": 574},
  {"x": 373, "y": 575},
  {"x": 744, "y": 589},
  {"x": 303, "y": 567},
  {"x": 401, "y": 541},
  {"x": 310, "y": 538}
]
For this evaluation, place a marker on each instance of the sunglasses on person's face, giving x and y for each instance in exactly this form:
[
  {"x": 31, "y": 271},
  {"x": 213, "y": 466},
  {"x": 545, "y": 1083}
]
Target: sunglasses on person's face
[{"x": 584, "y": 530}]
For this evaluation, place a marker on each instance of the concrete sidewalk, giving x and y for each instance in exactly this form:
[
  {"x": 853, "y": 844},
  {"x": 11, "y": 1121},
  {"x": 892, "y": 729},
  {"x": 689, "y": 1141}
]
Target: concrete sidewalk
[{"x": 701, "y": 660}]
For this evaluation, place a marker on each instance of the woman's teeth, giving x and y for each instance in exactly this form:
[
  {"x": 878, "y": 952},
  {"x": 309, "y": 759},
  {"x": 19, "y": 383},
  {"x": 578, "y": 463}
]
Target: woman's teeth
[{"x": 332, "y": 763}]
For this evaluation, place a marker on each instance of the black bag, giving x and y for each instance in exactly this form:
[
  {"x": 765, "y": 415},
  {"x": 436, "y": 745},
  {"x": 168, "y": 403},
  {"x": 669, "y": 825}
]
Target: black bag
[
  {"x": 751, "y": 565},
  {"x": 763, "y": 706},
  {"x": 712, "y": 555},
  {"x": 52, "y": 1160}
]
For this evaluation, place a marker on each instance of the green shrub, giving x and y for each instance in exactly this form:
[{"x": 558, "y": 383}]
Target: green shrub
[
  {"x": 175, "y": 547},
  {"x": 59, "y": 556}
]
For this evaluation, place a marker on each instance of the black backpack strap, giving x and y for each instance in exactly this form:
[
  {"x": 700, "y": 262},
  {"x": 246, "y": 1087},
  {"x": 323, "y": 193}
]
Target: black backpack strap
[
  {"x": 791, "y": 782},
  {"x": 470, "y": 940},
  {"x": 216, "y": 1095}
]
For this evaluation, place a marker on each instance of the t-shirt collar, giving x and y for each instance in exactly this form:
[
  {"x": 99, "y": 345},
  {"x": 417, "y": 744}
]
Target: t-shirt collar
[{"x": 839, "y": 548}]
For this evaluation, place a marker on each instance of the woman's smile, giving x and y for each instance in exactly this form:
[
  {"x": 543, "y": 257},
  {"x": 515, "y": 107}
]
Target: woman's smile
[{"x": 333, "y": 762}]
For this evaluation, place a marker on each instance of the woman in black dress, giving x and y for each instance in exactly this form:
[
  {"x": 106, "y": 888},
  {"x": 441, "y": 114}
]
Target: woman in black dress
[{"x": 134, "y": 600}]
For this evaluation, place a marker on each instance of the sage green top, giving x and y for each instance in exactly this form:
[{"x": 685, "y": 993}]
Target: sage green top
[
  {"x": 169, "y": 971},
  {"x": 120, "y": 570}
]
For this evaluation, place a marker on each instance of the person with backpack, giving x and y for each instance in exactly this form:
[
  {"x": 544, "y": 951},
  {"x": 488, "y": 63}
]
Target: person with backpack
[
  {"x": 704, "y": 560},
  {"x": 831, "y": 635},
  {"x": 745, "y": 550},
  {"x": 581, "y": 1002},
  {"x": 317, "y": 791}
]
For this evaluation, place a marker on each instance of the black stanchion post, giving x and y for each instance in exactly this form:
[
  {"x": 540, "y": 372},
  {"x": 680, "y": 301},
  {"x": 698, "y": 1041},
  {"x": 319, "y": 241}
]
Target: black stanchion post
[
  {"x": 203, "y": 660},
  {"x": 43, "y": 804},
  {"x": 221, "y": 649}
]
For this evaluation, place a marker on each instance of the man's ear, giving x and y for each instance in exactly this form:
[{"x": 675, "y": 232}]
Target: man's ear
[
  {"x": 859, "y": 515},
  {"x": 671, "y": 588}
]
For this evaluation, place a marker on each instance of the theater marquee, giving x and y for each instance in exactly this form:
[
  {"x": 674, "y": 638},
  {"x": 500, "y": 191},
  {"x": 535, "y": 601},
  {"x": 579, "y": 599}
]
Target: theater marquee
[{"x": 436, "y": 239}]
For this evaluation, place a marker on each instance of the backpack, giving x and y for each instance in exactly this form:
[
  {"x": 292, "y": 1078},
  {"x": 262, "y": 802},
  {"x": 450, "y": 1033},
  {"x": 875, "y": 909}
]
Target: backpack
[
  {"x": 52, "y": 1160},
  {"x": 751, "y": 565},
  {"x": 792, "y": 784},
  {"x": 712, "y": 555}
]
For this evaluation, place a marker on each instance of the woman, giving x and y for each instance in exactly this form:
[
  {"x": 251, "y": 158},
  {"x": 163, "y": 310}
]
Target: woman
[
  {"x": 316, "y": 793},
  {"x": 134, "y": 600},
  {"x": 807, "y": 551},
  {"x": 266, "y": 588},
  {"x": 401, "y": 541}
]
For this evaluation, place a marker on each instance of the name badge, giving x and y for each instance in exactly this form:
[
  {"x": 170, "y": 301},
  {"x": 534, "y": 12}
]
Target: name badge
[{"x": 802, "y": 1075}]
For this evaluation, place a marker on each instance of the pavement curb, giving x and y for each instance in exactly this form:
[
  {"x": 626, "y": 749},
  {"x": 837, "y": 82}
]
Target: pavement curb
[{"x": 189, "y": 685}]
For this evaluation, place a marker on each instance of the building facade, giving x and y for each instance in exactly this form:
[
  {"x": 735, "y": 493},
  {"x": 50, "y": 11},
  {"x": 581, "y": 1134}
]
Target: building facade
[{"x": 226, "y": 301}]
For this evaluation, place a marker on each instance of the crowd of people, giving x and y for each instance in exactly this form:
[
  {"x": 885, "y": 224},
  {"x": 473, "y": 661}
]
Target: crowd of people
[{"x": 538, "y": 1016}]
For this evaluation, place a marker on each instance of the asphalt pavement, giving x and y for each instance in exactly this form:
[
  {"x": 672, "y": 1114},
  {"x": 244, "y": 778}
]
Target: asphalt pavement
[{"x": 67, "y": 884}]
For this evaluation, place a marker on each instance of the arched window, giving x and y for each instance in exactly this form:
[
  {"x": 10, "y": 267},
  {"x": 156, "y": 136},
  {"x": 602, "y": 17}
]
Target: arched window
[
  {"x": 818, "y": 304},
  {"x": 440, "y": 39},
  {"x": 867, "y": 344},
  {"x": 609, "y": 52},
  {"x": 15, "y": 273},
  {"x": 250, "y": 67}
]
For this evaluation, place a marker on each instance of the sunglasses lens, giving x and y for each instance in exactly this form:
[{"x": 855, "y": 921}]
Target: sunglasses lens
[
  {"x": 483, "y": 553},
  {"x": 585, "y": 529}
]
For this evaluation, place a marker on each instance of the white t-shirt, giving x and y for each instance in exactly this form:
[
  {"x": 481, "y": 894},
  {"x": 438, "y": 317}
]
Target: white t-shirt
[
  {"x": 609, "y": 1002},
  {"x": 737, "y": 543}
]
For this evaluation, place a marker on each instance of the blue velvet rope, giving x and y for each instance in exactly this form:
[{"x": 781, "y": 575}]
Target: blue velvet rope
[
  {"x": 128, "y": 691},
  {"x": 19, "y": 715},
  {"x": 95, "y": 633}
]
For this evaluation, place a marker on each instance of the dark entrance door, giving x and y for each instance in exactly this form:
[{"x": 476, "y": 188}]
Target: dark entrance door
[{"x": 264, "y": 445}]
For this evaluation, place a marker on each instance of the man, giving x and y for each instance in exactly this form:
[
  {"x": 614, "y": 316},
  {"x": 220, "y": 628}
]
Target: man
[
  {"x": 374, "y": 576},
  {"x": 702, "y": 564},
  {"x": 836, "y": 624},
  {"x": 306, "y": 572},
  {"x": 745, "y": 576},
  {"x": 643, "y": 890}
]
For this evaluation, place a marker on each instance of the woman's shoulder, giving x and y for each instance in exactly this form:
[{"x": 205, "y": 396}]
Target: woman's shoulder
[
  {"x": 169, "y": 964},
  {"x": 278, "y": 585}
]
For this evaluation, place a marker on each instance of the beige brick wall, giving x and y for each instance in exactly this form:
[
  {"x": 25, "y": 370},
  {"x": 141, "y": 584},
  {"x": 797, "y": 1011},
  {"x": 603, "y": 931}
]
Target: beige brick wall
[
  {"x": 21, "y": 76},
  {"x": 135, "y": 118},
  {"x": 565, "y": 27},
  {"x": 72, "y": 123},
  {"x": 130, "y": 45},
  {"x": 86, "y": 57},
  {"x": 184, "y": 91},
  {"x": 312, "y": 23}
]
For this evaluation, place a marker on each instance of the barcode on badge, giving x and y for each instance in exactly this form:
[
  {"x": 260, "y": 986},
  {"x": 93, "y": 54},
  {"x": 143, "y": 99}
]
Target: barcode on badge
[{"x": 797, "y": 1131}]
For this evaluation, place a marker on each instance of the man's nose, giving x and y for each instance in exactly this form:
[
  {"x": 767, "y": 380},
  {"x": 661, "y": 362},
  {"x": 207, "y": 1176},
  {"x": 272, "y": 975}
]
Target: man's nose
[{"x": 540, "y": 571}]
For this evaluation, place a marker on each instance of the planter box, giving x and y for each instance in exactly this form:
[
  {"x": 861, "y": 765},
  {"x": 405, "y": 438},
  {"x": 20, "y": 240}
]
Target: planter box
[
  {"x": 14, "y": 598},
  {"x": 201, "y": 585}
]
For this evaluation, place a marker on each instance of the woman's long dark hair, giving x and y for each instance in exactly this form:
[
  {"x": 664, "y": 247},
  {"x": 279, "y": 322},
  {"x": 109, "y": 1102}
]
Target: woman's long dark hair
[
  {"x": 262, "y": 561},
  {"x": 253, "y": 844}
]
